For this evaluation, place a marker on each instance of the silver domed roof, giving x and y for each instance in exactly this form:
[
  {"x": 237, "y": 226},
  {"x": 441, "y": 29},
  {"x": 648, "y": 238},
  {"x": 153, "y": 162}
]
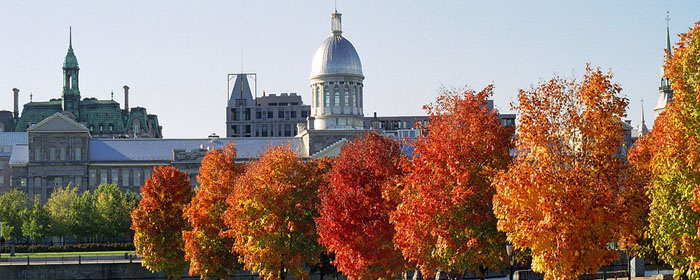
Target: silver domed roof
[{"x": 336, "y": 55}]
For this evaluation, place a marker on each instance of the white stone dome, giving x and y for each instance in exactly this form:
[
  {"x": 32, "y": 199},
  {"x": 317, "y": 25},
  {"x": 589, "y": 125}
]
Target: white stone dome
[{"x": 336, "y": 56}]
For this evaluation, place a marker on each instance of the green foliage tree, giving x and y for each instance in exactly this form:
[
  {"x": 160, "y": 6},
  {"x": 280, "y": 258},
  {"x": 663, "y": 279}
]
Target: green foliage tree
[
  {"x": 113, "y": 215},
  {"x": 58, "y": 207},
  {"x": 36, "y": 220},
  {"x": 83, "y": 217},
  {"x": 130, "y": 200},
  {"x": 12, "y": 205}
]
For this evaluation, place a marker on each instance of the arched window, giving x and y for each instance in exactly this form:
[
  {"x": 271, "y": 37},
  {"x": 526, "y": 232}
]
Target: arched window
[
  {"x": 336, "y": 100},
  {"x": 327, "y": 96},
  {"x": 346, "y": 102}
]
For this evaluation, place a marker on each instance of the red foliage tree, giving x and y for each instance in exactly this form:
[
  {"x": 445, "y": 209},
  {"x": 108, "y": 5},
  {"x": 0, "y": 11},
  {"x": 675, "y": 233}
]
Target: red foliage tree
[
  {"x": 354, "y": 216},
  {"x": 158, "y": 222},
  {"x": 445, "y": 220},
  {"x": 208, "y": 251},
  {"x": 271, "y": 214}
]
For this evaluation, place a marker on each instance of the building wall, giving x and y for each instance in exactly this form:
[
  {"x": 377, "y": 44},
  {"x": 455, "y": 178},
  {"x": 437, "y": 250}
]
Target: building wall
[{"x": 271, "y": 116}]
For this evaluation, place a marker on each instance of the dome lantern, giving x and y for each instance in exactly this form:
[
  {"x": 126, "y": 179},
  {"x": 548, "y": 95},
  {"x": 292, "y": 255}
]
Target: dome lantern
[{"x": 336, "y": 24}]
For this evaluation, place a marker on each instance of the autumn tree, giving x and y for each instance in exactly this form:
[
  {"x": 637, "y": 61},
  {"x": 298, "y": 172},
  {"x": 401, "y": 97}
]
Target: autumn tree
[
  {"x": 445, "y": 220},
  {"x": 158, "y": 221},
  {"x": 354, "y": 215},
  {"x": 559, "y": 197},
  {"x": 206, "y": 247},
  {"x": 674, "y": 215},
  {"x": 634, "y": 200},
  {"x": 271, "y": 214}
]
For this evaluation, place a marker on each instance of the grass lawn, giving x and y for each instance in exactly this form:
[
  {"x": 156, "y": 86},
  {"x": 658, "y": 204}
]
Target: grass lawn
[{"x": 66, "y": 254}]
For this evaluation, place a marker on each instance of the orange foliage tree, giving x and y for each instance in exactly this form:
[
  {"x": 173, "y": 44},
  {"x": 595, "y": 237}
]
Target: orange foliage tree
[
  {"x": 208, "y": 251},
  {"x": 560, "y": 196},
  {"x": 271, "y": 214},
  {"x": 674, "y": 215},
  {"x": 158, "y": 222},
  {"x": 445, "y": 220},
  {"x": 354, "y": 215},
  {"x": 634, "y": 199}
]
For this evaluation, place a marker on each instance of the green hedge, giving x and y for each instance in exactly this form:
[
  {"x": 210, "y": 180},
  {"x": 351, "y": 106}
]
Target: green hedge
[{"x": 85, "y": 247}]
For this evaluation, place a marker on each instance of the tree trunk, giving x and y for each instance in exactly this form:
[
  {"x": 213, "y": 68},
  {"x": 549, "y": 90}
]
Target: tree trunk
[
  {"x": 416, "y": 274},
  {"x": 283, "y": 275},
  {"x": 437, "y": 275}
]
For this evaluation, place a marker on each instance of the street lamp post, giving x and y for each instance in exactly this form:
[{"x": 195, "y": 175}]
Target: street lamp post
[{"x": 511, "y": 259}]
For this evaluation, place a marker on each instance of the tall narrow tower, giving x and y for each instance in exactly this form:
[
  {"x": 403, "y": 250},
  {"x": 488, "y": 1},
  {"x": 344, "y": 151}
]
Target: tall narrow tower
[
  {"x": 336, "y": 82},
  {"x": 71, "y": 91},
  {"x": 665, "y": 91}
]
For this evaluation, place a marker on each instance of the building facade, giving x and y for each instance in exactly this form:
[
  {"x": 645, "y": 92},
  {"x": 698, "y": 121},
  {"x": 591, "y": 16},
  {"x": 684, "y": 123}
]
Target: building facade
[
  {"x": 267, "y": 116},
  {"x": 91, "y": 142},
  {"x": 103, "y": 118},
  {"x": 60, "y": 151}
]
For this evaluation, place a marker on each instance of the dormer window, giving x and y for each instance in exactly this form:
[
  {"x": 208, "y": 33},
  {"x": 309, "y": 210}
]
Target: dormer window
[{"x": 137, "y": 127}]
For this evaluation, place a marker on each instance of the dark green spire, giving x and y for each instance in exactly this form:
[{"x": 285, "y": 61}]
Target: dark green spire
[
  {"x": 71, "y": 61},
  {"x": 71, "y": 89}
]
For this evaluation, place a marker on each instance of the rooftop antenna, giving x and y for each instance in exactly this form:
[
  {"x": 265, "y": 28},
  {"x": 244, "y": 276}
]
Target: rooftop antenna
[
  {"x": 336, "y": 6},
  {"x": 31, "y": 95}
]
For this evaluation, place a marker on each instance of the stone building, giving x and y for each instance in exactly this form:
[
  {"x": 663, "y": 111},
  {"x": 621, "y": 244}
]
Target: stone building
[
  {"x": 267, "y": 116},
  {"x": 60, "y": 151},
  {"x": 103, "y": 118},
  {"x": 91, "y": 142}
]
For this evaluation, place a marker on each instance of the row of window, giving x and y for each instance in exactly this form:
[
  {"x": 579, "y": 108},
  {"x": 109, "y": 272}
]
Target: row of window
[
  {"x": 346, "y": 98},
  {"x": 244, "y": 115},
  {"x": 128, "y": 177},
  {"x": 283, "y": 104},
  {"x": 61, "y": 153},
  {"x": 264, "y": 130},
  {"x": 106, "y": 176}
]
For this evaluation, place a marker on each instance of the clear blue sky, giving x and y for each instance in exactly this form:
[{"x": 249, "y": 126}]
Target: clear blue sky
[{"x": 175, "y": 54}]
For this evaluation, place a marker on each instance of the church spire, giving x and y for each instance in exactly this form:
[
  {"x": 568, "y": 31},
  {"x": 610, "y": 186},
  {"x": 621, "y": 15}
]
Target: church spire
[
  {"x": 70, "y": 37},
  {"x": 642, "y": 128}
]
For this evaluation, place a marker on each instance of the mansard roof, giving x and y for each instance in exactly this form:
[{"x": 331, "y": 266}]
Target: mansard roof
[{"x": 121, "y": 150}]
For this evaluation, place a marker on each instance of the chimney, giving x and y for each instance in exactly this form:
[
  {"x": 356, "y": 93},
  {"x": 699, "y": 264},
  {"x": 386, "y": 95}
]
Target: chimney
[
  {"x": 126, "y": 99},
  {"x": 16, "y": 111}
]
